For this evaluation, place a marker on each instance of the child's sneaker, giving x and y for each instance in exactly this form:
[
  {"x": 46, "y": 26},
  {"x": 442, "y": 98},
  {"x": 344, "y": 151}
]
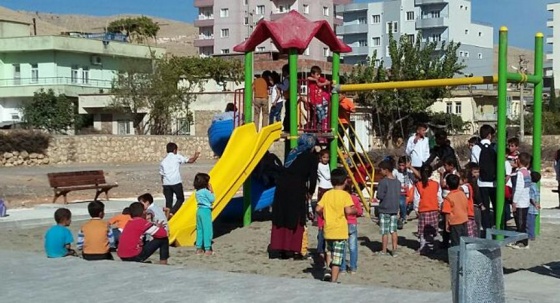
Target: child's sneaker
[{"x": 327, "y": 277}]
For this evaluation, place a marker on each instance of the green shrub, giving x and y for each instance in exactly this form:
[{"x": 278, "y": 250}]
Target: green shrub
[{"x": 22, "y": 140}]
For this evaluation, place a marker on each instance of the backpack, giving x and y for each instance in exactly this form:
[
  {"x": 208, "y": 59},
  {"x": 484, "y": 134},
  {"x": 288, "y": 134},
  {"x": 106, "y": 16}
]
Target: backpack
[{"x": 487, "y": 162}]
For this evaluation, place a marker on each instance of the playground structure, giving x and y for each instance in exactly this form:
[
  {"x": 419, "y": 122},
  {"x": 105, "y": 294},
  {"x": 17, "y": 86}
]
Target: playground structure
[{"x": 292, "y": 34}]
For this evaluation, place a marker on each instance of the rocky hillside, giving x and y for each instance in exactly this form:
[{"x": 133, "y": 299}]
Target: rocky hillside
[{"x": 177, "y": 37}]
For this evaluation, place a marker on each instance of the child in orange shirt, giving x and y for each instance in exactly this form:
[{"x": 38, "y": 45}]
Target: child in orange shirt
[
  {"x": 427, "y": 199},
  {"x": 118, "y": 222},
  {"x": 468, "y": 189},
  {"x": 455, "y": 208}
]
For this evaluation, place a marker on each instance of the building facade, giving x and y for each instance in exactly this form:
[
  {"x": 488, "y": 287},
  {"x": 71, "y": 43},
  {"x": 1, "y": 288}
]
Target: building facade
[
  {"x": 366, "y": 27},
  {"x": 223, "y": 24},
  {"x": 553, "y": 66},
  {"x": 67, "y": 65}
]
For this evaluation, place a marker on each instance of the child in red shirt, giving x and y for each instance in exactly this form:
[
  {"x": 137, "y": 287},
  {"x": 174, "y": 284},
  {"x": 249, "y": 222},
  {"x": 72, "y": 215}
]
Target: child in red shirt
[
  {"x": 319, "y": 96},
  {"x": 131, "y": 245}
]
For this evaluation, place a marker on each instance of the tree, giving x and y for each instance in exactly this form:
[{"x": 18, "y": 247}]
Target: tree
[
  {"x": 409, "y": 61},
  {"x": 553, "y": 100},
  {"x": 49, "y": 112},
  {"x": 165, "y": 91},
  {"x": 137, "y": 29}
]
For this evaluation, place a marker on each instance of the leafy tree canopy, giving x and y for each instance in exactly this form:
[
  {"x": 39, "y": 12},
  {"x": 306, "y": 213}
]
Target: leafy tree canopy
[
  {"x": 409, "y": 61},
  {"x": 137, "y": 29},
  {"x": 49, "y": 112}
]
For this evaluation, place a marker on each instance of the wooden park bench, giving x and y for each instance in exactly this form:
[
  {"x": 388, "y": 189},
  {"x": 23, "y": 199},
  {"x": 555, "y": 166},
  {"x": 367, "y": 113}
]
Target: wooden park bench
[{"x": 63, "y": 183}]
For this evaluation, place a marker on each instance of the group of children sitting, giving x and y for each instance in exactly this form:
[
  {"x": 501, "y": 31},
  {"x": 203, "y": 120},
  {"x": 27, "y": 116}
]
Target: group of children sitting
[{"x": 135, "y": 234}]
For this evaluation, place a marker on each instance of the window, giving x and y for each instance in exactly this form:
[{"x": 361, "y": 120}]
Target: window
[
  {"x": 466, "y": 8},
  {"x": 85, "y": 75},
  {"x": 436, "y": 37},
  {"x": 410, "y": 38},
  {"x": 74, "y": 74},
  {"x": 284, "y": 8},
  {"x": 376, "y": 19},
  {"x": 326, "y": 52},
  {"x": 479, "y": 55},
  {"x": 225, "y": 32},
  {"x": 306, "y": 52},
  {"x": 260, "y": 10},
  {"x": 225, "y": 51},
  {"x": 376, "y": 41},
  {"x": 458, "y": 107},
  {"x": 395, "y": 27},
  {"x": 224, "y": 13},
  {"x": 17, "y": 74},
  {"x": 260, "y": 49},
  {"x": 183, "y": 126},
  {"x": 362, "y": 20},
  {"x": 389, "y": 27},
  {"x": 362, "y": 43},
  {"x": 325, "y": 10},
  {"x": 466, "y": 32},
  {"x": 410, "y": 16},
  {"x": 34, "y": 73},
  {"x": 246, "y": 2},
  {"x": 387, "y": 51},
  {"x": 123, "y": 127},
  {"x": 435, "y": 14},
  {"x": 480, "y": 34},
  {"x": 246, "y": 21},
  {"x": 467, "y": 54},
  {"x": 449, "y": 107},
  {"x": 15, "y": 117},
  {"x": 461, "y": 54},
  {"x": 306, "y": 9}
]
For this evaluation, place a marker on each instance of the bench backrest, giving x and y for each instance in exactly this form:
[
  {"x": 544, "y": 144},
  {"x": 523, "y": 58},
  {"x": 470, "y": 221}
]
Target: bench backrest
[{"x": 76, "y": 178}]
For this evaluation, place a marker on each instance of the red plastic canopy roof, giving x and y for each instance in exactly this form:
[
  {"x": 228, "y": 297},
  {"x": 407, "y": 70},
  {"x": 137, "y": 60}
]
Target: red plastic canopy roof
[{"x": 293, "y": 31}]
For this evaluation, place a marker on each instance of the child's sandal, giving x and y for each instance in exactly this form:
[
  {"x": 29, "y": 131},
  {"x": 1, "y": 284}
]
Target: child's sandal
[{"x": 199, "y": 252}]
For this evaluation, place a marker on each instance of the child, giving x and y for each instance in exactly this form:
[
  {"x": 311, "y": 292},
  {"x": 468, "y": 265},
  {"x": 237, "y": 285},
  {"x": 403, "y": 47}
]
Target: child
[
  {"x": 406, "y": 177},
  {"x": 154, "y": 213},
  {"x": 277, "y": 99},
  {"x": 468, "y": 189},
  {"x": 352, "y": 233},
  {"x": 360, "y": 171},
  {"x": 58, "y": 238},
  {"x": 535, "y": 205},
  {"x": 169, "y": 169},
  {"x": 455, "y": 208},
  {"x": 388, "y": 195},
  {"x": 427, "y": 200},
  {"x": 334, "y": 206},
  {"x": 324, "y": 178},
  {"x": 119, "y": 221},
  {"x": 95, "y": 238},
  {"x": 521, "y": 197},
  {"x": 318, "y": 96},
  {"x": 131, "y": 245},
  {"x": 204, "y": 199},
  {"x": 449, "y": 167}
]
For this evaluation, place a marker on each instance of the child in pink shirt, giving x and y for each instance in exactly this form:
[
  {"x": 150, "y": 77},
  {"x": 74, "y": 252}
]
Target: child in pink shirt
[{"x": 352, "y": 233}]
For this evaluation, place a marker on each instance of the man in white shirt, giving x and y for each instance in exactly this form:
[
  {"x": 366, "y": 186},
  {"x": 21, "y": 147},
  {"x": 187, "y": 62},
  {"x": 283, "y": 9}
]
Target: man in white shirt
[
  {"x": 169, "y": 169},
  {"x": 487, "y": 188},
  {"x": 418, "y": 147}
]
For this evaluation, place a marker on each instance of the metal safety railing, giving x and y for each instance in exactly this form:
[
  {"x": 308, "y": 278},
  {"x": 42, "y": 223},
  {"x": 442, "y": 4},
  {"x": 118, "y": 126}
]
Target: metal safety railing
[{"x": 357, "y": 164}]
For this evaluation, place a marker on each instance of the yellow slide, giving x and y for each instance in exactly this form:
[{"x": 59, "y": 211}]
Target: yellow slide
[{"x": 243, "y": 152}]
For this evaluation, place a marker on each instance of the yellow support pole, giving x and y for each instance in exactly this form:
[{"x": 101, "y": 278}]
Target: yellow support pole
[{"x": 418, "y": 84}]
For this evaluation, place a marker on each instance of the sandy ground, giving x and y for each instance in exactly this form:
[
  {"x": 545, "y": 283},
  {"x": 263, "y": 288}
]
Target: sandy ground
[{"x": 244, "y": 250}]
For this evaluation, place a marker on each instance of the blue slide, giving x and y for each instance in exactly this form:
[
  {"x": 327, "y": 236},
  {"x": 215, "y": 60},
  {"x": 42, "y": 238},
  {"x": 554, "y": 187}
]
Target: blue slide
[{"x": 261, "y": 198}]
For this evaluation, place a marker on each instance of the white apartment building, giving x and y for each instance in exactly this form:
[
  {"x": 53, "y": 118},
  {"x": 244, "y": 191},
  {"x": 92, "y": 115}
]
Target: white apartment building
[
  {"x": 366, "y": 28},
  {"x": 554, "y": 24},
  {"x": 223, "y": 24}
]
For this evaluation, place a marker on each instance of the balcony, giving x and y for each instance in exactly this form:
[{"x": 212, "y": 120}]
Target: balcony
[
  {"x": 549, "y": 56},
  {"x": 353, "y": 7},
  {"x": 549, "y": 39},
  {"x": 432, "y": 23},
  {"x": 439, "y": 44},
  {"x": 204, "y": 41},
  {"x": 486, "y": 117},
  {"x": 204, "y": 21},
  {"x": 352, "y": 29},
  {"x": 203, "y": 3},
  {"x": 359, "y": 51},
  {"x": 429, "y": 2},
  {"x": 338, "y": 20},
  {"x": 26, "y": 87}
]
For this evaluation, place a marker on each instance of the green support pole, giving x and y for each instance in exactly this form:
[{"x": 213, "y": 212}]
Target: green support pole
[
  {"x": 501, "y": 141},
  {"x": 537, "y": 114},
  {"x": 292, "y": 61},
  {"x": 335, "y": 102},
  {"x": 248, "y": 112}
]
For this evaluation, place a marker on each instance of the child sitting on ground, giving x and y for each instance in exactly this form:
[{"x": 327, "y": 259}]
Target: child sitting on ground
[
  {"x": 335, "y": 205},
  {"x": 118, "y": 223},
  {"x": 204, "y": 200},
  {"x": 324, "y": 184},
  {"x": 388, "y": 195},
  {"x": 455, "y": 207},
  {"x": 131, "y": 245},
  {"x": 427, "y": 199},
  {"x": 535, "y": 205},
  {"x": 154, "y": 213},
  {"x": 95, "y": 238},
  {"x": 58, "y": 238},
  {"x": 352, "y": 233}
]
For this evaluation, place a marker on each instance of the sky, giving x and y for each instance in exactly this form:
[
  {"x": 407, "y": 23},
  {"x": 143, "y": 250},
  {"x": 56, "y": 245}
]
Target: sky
[{"x": 524, "y": 18}]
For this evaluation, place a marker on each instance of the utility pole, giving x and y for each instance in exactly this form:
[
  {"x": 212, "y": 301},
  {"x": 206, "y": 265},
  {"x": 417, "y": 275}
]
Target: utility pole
[{"x": 522, "y": 69}]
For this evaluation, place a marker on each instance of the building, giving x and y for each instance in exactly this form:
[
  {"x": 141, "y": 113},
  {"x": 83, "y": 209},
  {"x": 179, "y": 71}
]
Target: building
[
  {"x": 554, "y": 24},
  {"x": 66, "y": 64},
  {"x": 366, "y": 27},
  {"x": 223, "y": 24}
]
